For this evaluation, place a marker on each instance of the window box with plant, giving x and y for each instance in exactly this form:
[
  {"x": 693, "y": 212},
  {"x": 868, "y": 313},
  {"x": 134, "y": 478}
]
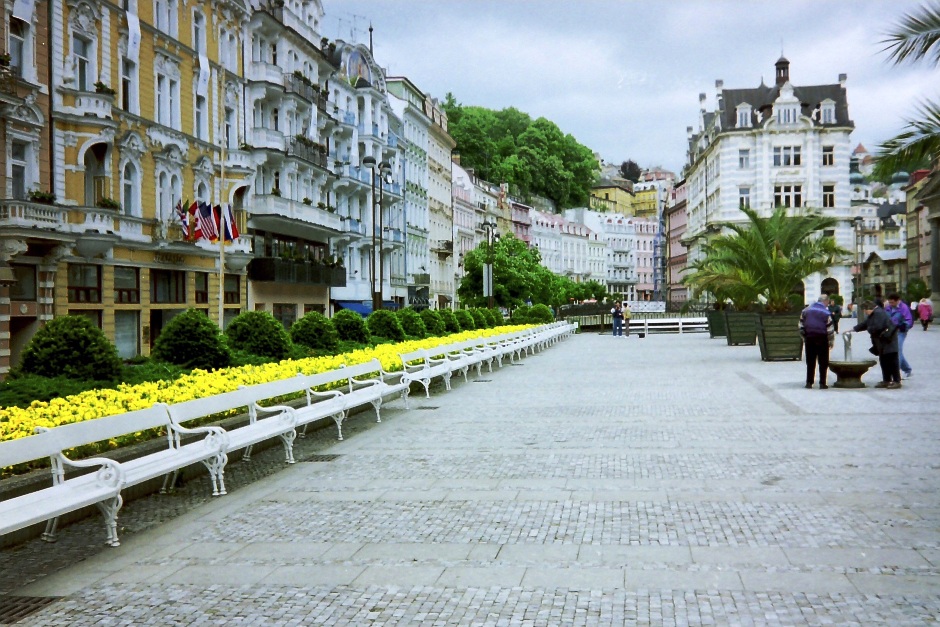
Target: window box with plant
[
  {"x": 101, "y": 88},
  {"x": 108, "y": 203},
  {"x": 5, "y": 59},
  {"x": 47, "y": 198},
  {"x": 275, "y": 191},
  {"x": 307, "y": 201}
]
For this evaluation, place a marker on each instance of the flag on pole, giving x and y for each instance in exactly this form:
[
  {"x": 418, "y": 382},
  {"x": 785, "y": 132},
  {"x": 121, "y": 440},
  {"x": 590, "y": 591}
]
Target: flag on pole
[
  {"x": 206, "y": 224},
  {"x": 183, "y": 215},
  {"x": 229, "y": 230},
  {"x": 194, "y": 232}
]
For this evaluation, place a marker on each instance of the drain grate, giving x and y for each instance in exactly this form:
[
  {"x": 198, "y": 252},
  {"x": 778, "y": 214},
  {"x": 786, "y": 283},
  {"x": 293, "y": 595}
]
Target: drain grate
[
  {"x": 427, "y": 408},
  {"x": 482, "y": 380},
  {"x": 320, "y": 458},
  {"x": 14, "y": 609}
]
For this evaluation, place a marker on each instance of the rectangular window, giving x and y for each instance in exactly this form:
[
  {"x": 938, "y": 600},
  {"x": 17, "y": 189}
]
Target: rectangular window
[
  {"x": 828, "y": 115},
  {"x": 785, "y": 156},
  {"x": 202, "y": 287},
  {"x": 788, "y": 195},
  {"x": 84, "y": 283},
  {"x": 828, "y": 155},
  {"x": 127, "y": 333},
  {"x": 744, "y": 118},
  {"x": 25, "y": 286},
  {"x": 161, "y": 115},
  {"x": 81, "y": 55},
  {"x": 167, "y": 286},
  {"x": 744, "y": 197},
  {"x": 286, "y": 313},
  {"x": 744, "y": 158},
  {"x": 229, "y": 127},
  {"x": 198, "y": 33},
  {"x": 18, "y": 30},
  {"x": 129, "y": 85},
  {"x": 829, "y": 195},
  {"x": 174, "y": 104},
  {"x": 18, "y": 168},
  {"x": 126, "y": 285},
  {"x": 232, "y": 292}
]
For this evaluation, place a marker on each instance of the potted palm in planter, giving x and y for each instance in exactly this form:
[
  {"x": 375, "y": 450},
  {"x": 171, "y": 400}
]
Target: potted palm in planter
[{"x": 719, "y": 273}]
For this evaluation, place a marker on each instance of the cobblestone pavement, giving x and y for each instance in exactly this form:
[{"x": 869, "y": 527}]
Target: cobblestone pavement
[{"x": 672, "y": 480}]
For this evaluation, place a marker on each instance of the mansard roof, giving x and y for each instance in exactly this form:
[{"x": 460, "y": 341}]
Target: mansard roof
[{"x": 761, "y": 99}]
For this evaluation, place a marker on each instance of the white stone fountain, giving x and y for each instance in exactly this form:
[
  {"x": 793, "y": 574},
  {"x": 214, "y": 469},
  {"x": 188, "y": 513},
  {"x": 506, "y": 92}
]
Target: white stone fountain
[{"x": 849, "y": 372}]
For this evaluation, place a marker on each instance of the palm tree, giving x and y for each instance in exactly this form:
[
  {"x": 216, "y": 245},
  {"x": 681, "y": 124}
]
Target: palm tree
[
  {"x": 916, "y": 37},
  {"x": 766, "y": 258}
]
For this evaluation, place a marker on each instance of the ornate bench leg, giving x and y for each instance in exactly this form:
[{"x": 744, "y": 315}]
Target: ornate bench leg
[
  {"x": 246, "y": 456},
  {"x": 109, "y": 509},
  {"x": 404, "y": 394},
  {"x": 446, "y": 381},
  {"x": 49, "y": 534},
  {"x": 427, "y": 386},
  {"x": 288, "y": 440},
  {"x": 216, "y": 466},
  {"x": 169, "y": 481},
  {"x": 377, "y": 404},
  {"x": 338, "y": 418}
]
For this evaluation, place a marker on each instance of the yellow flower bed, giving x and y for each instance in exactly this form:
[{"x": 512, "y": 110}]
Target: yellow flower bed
[{"x": 17, "y": 422}]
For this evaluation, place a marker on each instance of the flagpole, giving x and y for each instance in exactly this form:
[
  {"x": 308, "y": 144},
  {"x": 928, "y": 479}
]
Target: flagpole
[{"x": 222, "y": 213}]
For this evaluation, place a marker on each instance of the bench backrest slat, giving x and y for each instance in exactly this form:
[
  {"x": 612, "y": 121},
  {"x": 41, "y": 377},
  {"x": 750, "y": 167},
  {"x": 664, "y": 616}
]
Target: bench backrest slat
[{"x": 201, "y": 407}]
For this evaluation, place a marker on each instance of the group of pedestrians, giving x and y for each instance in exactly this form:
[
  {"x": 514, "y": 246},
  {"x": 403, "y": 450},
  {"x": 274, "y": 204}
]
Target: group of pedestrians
[
  {"x": 887, "y": 325},
  {"x": 621, "y": 314}
]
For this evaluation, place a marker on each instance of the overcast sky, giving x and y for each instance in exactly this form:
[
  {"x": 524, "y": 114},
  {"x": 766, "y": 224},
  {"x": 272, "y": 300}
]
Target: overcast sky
[{"x": 623, "y": 76}]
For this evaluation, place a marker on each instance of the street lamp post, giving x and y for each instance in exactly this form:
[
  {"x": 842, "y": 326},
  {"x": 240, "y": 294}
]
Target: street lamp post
[
  {"x": 378, "y": 267},
  {"x": 488, "y": 288},
  {"x": 859, "y": 223}
]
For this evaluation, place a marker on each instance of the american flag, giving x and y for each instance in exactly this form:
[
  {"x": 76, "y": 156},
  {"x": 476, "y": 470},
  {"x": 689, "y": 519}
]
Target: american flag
[{"x": 206, "y": 224}]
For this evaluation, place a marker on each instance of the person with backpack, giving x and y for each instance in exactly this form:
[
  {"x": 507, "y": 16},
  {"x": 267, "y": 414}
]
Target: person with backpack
[
  {"x": 903, "y": 319},
  {"x": 884, "y": 343}
]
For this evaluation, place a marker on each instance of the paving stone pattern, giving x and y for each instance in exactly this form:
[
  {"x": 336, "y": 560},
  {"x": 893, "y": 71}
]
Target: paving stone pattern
[{"x": 672, "y": 480}]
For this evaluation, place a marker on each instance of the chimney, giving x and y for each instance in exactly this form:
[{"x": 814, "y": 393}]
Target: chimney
[
  {"x": 688, "y": 132},
  {"x": 783, "y": 71},
  {"x": 842, "y": 79},
  {"x": 719, "y": 85},
  {"x": 701, "y": 101}
]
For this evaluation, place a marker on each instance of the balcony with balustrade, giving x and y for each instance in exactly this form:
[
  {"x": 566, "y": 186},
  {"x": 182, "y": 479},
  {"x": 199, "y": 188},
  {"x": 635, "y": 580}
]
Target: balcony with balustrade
[{"x": 262, "y": 137}]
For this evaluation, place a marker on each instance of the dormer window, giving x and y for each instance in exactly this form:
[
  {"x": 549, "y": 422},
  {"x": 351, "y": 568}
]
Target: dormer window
[
  {"x": 786, "y": 114},
  {"x": 828, "y": 112},
  {"x": 744, "y": 115}
]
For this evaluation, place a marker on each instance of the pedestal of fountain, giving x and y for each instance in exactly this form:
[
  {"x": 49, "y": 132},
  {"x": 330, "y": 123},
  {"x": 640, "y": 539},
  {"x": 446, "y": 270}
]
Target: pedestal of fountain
[{"x": 849, "y": 372}]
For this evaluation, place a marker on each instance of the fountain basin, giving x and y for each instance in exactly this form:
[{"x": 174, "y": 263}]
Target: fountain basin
[{"x": 849, "y": 373}]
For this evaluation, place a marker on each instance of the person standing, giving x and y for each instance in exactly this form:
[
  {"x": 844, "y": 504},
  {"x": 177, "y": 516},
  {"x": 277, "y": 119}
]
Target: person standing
[
  {"x": 818, "y": 332},
  {"x": 617, "y": 313},
  {"x": 626, "y": 318},
  {"x": 925, "y": 312},
  {"x": 835, "y": 310},
  {"x": 884, "y": 343},
  {"x": 902, "y": 318}
]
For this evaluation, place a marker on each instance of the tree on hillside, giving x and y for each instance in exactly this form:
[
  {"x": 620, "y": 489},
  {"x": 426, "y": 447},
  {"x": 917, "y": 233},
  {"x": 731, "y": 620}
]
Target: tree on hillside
[
  {"x": 630, "y": 170},
  {"x": 916, "y": 37}
]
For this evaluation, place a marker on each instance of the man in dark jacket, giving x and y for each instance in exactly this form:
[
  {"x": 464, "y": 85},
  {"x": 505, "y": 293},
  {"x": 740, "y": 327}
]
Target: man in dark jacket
[
  {"x": 884, "y": 343},
  {"x": 818, "y": 331}
]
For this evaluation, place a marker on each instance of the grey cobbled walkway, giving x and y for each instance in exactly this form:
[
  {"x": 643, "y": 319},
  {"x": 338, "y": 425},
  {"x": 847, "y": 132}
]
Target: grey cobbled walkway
[{"x": 671, "y": 480}]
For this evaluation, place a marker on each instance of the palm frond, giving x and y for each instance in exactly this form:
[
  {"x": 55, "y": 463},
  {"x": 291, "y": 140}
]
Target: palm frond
[
  {"x": 916, "y": 37},
  {"x": 916, "y": 147}
]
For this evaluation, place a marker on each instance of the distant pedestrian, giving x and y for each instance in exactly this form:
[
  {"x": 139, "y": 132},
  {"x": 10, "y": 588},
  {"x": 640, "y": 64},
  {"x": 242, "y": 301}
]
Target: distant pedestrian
[
  {"x": 818, "y": 332},
  {"x": 884, "y": 343},
  {"x": 835, "y": 310},
  {"x": 925, "y": 312},
  {"x": 617, "y": 313},
  {"x": 626, "y": 318},
  {"x": 850, "y": 308},
  {"x": 902, "y": 318}
]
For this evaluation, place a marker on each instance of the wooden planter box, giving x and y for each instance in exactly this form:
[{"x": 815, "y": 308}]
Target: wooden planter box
[
  {"x": 717, "y": 327},
  {"x": 741, "y": 327},
  {"x": 779, "y": 337}
]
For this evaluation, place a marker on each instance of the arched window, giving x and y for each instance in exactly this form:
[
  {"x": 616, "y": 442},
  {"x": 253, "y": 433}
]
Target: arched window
[
  {"x": 176, "y": 191},
  {"x": 130, "y": 190},
  {"x": 164, "y": 202},
  {"x": 202, "y": 193}
]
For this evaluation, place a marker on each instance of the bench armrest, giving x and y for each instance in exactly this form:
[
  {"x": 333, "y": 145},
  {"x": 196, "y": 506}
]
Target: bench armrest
[
  {"x": 216, "y": 437},
  {"x": 109, "y": 473},
  {"x": 286, "y": 410},
  {"x": 327, "y": 394},
  {"x": 363, "y": 382}
]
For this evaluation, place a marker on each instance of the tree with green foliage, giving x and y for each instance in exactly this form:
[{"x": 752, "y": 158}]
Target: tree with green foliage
[
  {"x": 71, "y": 347},
  {"x": 533, "y": 156},
  {"x": 384, "y": 324},
  {"x": 191, "y": 340},
  {"x": 916, "y": 37},
  {"x": 451, "y": 325},
  {"x": 412, "y": 323},
  {"x": 433, "y": 322},
  {"x": 315, "y": 331},
  {"x": 350, "y": 326},
  {"x": 917, "y": 288},
  {"x": 465, "y": 320},
  {"x": 495, "y": 316},
  {"x": 520, "y": 315},
  {"x": 258, "y": 333},
  {"x": 541, "y": 314},
  {"x": 479, "y": 318},
  {"x": 631, "y": 171}
]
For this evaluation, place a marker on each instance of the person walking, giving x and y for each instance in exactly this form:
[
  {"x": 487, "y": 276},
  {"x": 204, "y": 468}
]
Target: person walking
[
  {"x": 617, "y": 313},
  {"x": 818, "y": 332},
  {"x": 884, "y": 343},
  {"x": 835, "y": 310},
  {"x": 925, "y": 312},
  {"x": 902, "y": 318}
]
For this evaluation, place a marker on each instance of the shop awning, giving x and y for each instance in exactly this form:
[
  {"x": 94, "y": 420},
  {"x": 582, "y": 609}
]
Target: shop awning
[{"x": 363, "y": 309}]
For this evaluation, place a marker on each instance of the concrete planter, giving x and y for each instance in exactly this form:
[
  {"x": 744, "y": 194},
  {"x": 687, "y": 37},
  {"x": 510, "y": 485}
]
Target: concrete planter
[
  {"x": 741, "y": 327},
  {"x": 778, "y": 336}
]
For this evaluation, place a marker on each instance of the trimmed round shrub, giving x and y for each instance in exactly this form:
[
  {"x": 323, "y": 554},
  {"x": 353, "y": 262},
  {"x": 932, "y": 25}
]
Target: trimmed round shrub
[
  {"x": 541, "y": 314},
  {"x": 315, "y": 330},
  {"x": 412, "y": 323},
  {"x": 384, "y": 323},
  {"x": 495, "y": 316},
  {"x": 465, "y": 320},
  {"x": 258, "y": 333},
  {"x": 520, "y": 315},
  {"x": 191, "y": 340},
  {"x": 480, "y": 320},
  {"x": 450, "y": 321},
  {"x": 350, "y": 327},
  {"x": 71, "y": 347},
  {"x": 433, "y": 322}
]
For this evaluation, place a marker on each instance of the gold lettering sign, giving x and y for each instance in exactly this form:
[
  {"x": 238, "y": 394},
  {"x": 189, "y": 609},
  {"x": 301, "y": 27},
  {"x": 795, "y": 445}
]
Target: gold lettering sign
[{"x": 169, "y": 258}]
